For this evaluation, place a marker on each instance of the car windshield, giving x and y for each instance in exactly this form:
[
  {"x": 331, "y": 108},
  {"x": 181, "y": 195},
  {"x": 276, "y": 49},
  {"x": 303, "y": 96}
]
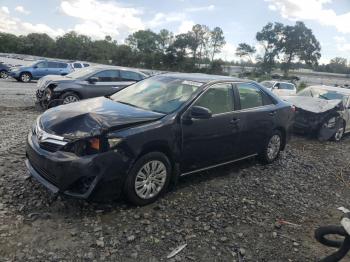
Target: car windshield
[
  {"x": 159, "y": 94},
  {"x": 267, "y": 84},
  {"x": 81, "y": 73}
]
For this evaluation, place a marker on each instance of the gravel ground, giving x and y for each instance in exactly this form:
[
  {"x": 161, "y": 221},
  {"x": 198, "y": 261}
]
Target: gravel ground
[{"x": 236, "y": 207}]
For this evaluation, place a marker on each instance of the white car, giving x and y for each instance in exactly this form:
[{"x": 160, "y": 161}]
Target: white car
[
  {"x": 280, "y": 88},
  {"x": 78, "y": 65}
]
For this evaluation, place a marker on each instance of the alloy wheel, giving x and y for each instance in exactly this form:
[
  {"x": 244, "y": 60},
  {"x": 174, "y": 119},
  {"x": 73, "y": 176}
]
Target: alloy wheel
[
  {"x": 150, "y": 179},
  {"x": 25, "y": 78},
  {"x": 3, "y": 74},
  {"x": 339, "y": 134},
  {"x": 70, "y": 99},
  {"x": 274, "y": 147}
]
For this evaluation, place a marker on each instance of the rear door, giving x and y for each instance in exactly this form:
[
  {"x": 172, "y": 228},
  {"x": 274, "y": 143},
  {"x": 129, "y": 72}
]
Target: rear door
[
  {"x": 53, "y": 68},
  {"x": 128, "y": 78},
  {"x": 257, "y": 114},
  {"x": 215, "y": 140},
  {"x": 106, "y": 84}
]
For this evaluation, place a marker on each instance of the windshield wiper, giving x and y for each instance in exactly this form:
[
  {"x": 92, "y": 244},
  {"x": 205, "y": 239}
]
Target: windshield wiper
[{"x": 324, "y": 97}]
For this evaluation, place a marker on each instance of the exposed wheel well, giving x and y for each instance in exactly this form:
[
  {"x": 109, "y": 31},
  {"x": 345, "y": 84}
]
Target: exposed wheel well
[
  {"x": 72, "y": 92},
  {"x": 158, "y": 148}
]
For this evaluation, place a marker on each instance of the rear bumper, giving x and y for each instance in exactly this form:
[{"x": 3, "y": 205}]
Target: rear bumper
[{"x": 100, "y": 175}]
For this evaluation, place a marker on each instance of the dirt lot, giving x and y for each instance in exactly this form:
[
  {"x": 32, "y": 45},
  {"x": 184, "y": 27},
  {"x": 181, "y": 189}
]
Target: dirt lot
[{"x": 213, "y": 212}]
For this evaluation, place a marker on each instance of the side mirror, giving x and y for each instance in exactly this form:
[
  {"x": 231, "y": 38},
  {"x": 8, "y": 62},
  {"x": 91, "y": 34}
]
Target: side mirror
[
  {"x": 93, "y": 80},
  {"x": 35, "y": 67},
  {"x": 199, "y": 112}
]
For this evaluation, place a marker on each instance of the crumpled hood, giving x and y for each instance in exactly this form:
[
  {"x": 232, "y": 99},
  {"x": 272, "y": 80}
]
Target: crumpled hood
[
  {"x": 46, "y": 80},
  {"x": 312, "y": 104},
  {"x": 92, "y": 117}
]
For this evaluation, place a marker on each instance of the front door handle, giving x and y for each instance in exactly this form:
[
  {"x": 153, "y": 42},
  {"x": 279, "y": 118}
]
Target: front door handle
[{"x": 272, "y": 113}]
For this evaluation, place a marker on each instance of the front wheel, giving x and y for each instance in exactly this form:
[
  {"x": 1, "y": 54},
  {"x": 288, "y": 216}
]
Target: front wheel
[
  {"x": 68, "y": 98},
  {"x": 148, "y": 179},
  {"x": 272, "y": 148},
  {"x": 25, "y": 77},
  {"x": 339, "y": 134}
]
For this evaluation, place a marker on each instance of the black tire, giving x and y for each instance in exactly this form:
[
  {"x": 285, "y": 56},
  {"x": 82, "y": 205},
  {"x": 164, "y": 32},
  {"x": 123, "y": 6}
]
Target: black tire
[
  {"x": 322, "y": 232},
  {"x": 265, "y": 156},
  {"x": 25, "y": 77},
  {"x": 4, "y": 74},
  {"x": 69, "y": 97},
  {"x": 130, "y": 183}
]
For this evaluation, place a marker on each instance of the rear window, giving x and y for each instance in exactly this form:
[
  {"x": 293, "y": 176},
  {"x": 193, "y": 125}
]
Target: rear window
[
  {"x": 267, "y": 84},
  {"x": 130, "y": 76},
  {"x": 86, "y": 65},
  {"x": 286, "y": 86},
  {"x": 250, "y": 96}
]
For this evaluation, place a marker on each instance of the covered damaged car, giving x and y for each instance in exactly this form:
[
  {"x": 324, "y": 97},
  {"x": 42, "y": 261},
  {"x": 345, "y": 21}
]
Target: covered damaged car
[
  {"x": 323, "y": 111},
  {"x": 150, "y": 133}
]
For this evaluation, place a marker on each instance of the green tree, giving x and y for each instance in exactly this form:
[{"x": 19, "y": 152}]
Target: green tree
[
  {"x": 298, "y": 42},
  {"x": 38, "y": 44},
  {"x": 244, "y": 50},
  {"x": 217, "y": 40},
  {"x": 73, "y": 46},
  {"x": 269, "y": 38}
]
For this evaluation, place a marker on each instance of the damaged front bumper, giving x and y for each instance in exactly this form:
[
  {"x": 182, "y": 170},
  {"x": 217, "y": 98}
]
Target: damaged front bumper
[{"x": 100, "y": 175}]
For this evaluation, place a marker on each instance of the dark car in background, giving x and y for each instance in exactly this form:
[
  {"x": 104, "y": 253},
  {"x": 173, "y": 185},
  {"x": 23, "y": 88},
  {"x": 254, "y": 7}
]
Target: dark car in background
[
  {"x": 4, "y": 70},
  {"x": 89, "y": 82},
  {"x": 40, "y": 69},
  {"x": 150, "y": 133}
]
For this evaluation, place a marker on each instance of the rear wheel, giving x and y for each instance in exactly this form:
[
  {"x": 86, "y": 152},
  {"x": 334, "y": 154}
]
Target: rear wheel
[
  {"x": 69, "y": 98},
  {"x": 4, "y": 74},
  {"x": 148, "y": 179},
  {"x": 272, "y": 148},
  {"x": 25, "y": 77}
]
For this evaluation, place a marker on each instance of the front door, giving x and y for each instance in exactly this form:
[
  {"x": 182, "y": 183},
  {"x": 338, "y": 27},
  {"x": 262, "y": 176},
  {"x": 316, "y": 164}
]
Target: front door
[
  {"x": 107, "y": 82},
  {"x": 40, "y": 70},
  {"x": 211, "y": 141}
]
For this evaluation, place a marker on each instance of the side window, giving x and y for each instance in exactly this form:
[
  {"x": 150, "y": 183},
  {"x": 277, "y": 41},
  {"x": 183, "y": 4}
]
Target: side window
[
  {"x": 52, "y": 64},
  {"x": 108, "y": 76},
  {"x": 77, "y": 65},
  {"x": 41, "y": 65},
  {"x": 250, "y": 95},
  {"x": 130, "y": 76},
  {"x": 62, "y": 65},
  {"x": 86, "y": 65},
  {"x": 218, "y": 98}
]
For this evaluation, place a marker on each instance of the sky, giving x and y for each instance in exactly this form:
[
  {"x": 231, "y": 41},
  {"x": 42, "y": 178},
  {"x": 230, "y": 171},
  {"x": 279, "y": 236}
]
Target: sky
[{"x": 239, "y": 19}]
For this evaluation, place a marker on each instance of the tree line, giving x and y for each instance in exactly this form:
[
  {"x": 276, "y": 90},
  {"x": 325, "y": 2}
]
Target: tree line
[
  {"x": 282, "y": 46},
  {"x": 143, "y": 48}
]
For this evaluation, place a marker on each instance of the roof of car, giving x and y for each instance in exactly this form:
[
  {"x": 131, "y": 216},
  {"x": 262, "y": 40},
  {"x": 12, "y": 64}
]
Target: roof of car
[
  {"x": 203, "y": 78},
  {"x": 332, "y": 88},
  {"x": 97, "y": 67}
]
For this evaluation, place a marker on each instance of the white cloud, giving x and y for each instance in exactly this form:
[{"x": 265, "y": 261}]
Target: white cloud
[
  {"x": 185, "y": 26},
  {"x": 22, "y": 10},
  {"x": 342, "y": 44},
  {"x": 13, "y": 25},
  {"x": 200, "y": 8},
  {"x": 161, "y": 19},
  {"x": 99, "y": 19},
  {"x": 228, "y": 53},
  {"x": 5, "y": 10},
  {"x": 311, "y": 10}
]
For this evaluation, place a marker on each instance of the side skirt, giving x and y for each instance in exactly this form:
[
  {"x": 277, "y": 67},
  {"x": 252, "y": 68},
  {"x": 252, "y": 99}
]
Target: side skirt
[{"x": 217, "y": 165}]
